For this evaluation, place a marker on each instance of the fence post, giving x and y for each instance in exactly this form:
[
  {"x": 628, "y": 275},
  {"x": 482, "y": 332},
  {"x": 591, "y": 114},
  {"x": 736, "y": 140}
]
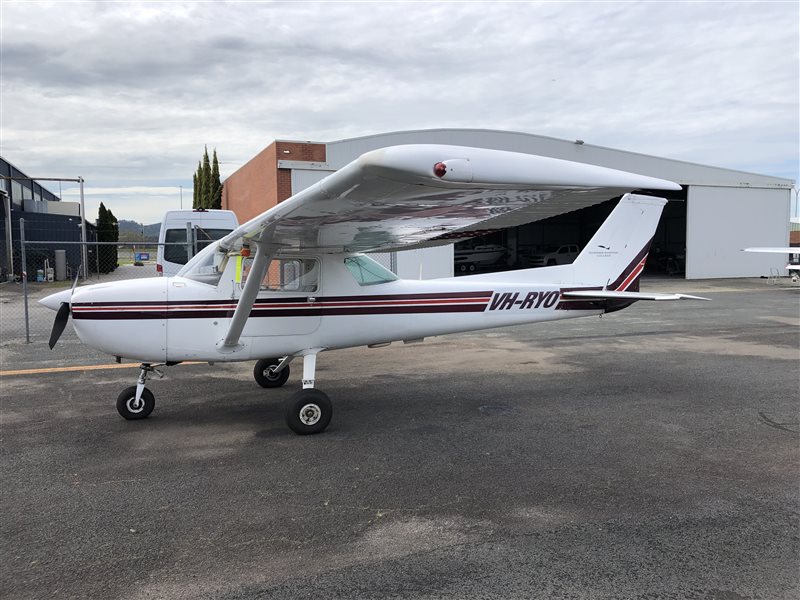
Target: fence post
[
  {"x": 24, "y": 279},
  {"x": 8, "y": 226},
  {"x": 189, "y": 236},
  {"x": 84, "y": 248}
]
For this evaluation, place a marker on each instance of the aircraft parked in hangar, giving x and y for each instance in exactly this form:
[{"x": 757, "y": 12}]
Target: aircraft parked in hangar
[{"x": 295, "y": 281}]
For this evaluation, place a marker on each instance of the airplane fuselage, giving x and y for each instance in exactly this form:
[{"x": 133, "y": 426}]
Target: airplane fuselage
[{"x": 178, "y": 319}]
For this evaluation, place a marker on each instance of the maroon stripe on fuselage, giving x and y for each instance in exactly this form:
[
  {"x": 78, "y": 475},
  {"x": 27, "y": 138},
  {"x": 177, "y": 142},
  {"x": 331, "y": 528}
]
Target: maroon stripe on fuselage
[
  {"x": 440, "y": 302},
  {"x": 281, "y": 312},
  {"x": 294, "y": 300}
]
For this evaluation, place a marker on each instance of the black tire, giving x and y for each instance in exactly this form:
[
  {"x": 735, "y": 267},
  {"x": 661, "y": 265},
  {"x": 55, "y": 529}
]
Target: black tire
[
  {"x": 471, "y": 268},
  {"x": 551, "y": 263},
  {"x": 126, "y": 408},
  {"x": 308, "y": 411},
  {"x": 262, "y": 375},
  {"x": 462, "y": 267}
]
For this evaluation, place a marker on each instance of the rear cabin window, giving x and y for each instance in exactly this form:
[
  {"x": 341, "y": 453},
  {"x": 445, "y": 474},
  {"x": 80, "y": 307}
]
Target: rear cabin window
[{"x": 367, "y": 271}]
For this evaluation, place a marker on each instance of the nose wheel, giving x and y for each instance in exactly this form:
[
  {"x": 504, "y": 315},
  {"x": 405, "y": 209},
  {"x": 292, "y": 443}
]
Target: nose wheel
[
  {"x": 131, "y": 408},
  {"x": 137, "y": 402}
]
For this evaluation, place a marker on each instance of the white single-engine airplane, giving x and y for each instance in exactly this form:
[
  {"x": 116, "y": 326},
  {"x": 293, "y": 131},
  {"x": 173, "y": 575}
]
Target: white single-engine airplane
[
  {"x": 294, "y": 281},
  {"x": 792, "y": 267}
]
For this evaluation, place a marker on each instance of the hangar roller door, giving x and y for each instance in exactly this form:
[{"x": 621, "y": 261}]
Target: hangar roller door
[{"x": 720, "y": 221}]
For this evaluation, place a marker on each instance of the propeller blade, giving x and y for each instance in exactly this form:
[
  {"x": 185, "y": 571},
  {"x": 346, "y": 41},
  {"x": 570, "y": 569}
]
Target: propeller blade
[
  {"x": 62, "y": 316},
  {"x": 75, "y": 283}
]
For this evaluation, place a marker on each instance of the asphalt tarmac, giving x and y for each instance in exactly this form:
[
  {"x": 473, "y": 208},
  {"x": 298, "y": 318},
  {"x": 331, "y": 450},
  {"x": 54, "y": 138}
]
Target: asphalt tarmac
[{"x": 653, "y": 453}]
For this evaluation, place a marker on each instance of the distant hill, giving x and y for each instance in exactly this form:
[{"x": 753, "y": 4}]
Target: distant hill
[{"x": 131, "y": 231}]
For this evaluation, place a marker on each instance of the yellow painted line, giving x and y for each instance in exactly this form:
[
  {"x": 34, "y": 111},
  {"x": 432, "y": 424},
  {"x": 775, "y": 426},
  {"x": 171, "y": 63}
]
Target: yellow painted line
[{"x": 70, "y": 369}]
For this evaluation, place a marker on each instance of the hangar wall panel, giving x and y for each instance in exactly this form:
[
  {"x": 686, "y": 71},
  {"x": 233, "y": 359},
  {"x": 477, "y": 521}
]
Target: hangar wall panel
[
  {"x": 720, "y": 221},
  {"x": 303, "y": 178}
]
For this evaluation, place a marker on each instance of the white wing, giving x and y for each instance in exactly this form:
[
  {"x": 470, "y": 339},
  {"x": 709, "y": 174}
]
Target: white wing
[
  {"x": 424, "y": 195},
  {"x": 420, "y": 195}
]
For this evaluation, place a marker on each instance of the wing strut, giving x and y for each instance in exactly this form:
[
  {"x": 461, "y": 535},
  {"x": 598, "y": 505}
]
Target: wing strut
[{"x": 249, "y": 293}]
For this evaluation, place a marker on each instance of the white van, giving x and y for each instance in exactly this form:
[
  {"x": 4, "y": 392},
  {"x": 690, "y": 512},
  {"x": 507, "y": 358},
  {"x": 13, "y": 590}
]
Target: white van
[{"x": 203, "y": 226}]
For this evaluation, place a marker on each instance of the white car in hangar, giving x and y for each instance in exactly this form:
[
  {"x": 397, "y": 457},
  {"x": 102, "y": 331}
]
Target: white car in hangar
[{"x": 554, "y": 255}]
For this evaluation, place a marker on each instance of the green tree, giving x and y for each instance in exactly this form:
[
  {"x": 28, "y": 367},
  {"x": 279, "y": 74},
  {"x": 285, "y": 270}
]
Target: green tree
[
  {"x": 207, "y": 184},
  {"x": 206, "y": 180},
  {"x": 196, "y": 192},
  {"x": 107, "y": 231},
  {"x": 215, "y": 201}
]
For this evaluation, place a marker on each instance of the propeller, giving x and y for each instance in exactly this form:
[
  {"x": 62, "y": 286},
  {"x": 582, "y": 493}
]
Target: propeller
[{"x": 62, "y": 316}]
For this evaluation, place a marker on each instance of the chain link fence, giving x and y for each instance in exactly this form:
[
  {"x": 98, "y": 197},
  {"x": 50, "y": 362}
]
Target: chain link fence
[
  {"x": 43, "y": 261},
  {"x": 39, "y": 267}
]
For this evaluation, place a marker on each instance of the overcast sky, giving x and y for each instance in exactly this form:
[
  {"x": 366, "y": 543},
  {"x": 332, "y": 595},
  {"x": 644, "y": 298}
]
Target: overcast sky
[{"x": 127, "y": 94}]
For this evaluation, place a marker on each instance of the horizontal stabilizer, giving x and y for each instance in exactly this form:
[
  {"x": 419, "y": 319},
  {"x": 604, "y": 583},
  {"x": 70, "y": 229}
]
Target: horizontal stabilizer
[
  {"x": 786, "y": 250},
  {"x": 609, "y": 295}
]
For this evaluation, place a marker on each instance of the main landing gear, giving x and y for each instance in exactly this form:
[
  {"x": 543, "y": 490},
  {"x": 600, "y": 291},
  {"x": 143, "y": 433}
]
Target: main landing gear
[
  {"x": 272, "y": 372},
  {"x": 307, "y": 411}
]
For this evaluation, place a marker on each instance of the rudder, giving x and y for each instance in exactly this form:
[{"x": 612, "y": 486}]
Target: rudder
[{"x": 616, "y": 254}]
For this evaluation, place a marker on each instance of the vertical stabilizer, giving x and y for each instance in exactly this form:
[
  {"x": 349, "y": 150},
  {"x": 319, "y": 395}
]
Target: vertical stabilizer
[{"x": 615, "y": 256}]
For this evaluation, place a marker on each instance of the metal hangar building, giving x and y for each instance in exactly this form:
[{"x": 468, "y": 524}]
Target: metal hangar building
[{"x": 703, "y": 228}]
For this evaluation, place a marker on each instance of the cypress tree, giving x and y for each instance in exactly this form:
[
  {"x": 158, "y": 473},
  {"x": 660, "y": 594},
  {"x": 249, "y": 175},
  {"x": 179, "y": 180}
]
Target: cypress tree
[
  {"x": 216, "y": 185},
  {"x": 196, "y": 192},
  {"x": 102, "y": 236},
  {"x": 114, "y": 237},
  {"x": 207, "y": 183}
]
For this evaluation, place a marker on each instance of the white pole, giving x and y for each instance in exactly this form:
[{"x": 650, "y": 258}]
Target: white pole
[
  {"x": 84, "y": 254},
  {"x": 181, "y": 197}
]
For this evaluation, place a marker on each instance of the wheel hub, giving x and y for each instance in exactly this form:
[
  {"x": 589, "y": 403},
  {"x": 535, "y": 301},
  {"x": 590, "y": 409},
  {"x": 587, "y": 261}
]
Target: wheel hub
[
  {"x": 310, "y": 414},
  {"x": 134, "y": 406}
]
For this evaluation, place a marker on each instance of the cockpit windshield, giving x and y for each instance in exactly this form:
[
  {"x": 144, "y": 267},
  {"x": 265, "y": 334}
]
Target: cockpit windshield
[{"x": 206, "y": 266}]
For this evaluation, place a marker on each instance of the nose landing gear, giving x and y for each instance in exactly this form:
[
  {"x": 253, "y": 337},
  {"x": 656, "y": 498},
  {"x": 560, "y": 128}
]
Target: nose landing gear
[{"x": 137, "y": 402}]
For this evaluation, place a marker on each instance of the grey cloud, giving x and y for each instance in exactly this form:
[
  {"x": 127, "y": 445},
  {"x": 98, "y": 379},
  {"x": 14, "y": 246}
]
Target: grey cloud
[{"x": 141, "y": 87}]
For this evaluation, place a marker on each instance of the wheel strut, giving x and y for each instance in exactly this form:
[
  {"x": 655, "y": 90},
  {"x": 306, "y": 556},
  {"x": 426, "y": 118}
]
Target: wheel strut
[{"x": 144, "y": 369}]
